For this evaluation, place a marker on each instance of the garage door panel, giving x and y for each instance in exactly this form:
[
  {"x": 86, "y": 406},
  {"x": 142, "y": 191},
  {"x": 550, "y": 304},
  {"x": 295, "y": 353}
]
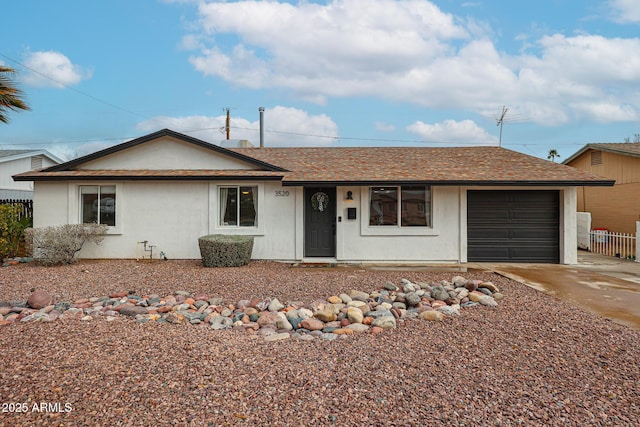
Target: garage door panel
[
  {"x": 489, "y": 214},
  {"x": 528, "y": 234},
  {"x": 533, "y": 215},
  {"x": 540, "y": 254},
  {"x": 532, "y": 197},
  {"x": 480, "y": 253},
  {"x": 513, "y": 226},
  {"x": 487, "y": 233}
]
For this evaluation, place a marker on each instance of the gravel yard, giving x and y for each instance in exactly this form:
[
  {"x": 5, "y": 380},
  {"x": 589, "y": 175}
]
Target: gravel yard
[{"x": 533, "y": 360}]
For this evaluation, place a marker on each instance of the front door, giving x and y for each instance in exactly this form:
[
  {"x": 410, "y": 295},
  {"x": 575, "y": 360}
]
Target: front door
[{"x": 320, "y": 222}]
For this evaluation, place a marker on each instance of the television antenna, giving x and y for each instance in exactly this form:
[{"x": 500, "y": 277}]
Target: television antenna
[{"x": 502, "y": 118}]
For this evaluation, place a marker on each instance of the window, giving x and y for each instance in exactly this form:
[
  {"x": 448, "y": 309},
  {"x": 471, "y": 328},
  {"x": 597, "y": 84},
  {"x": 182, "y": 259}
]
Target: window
[
  {"x": 238, "y": 206},
  {"x": 98, "y": 204},
  {"x": 414, "y": 201},
  {"x": 383, "y": 206}
]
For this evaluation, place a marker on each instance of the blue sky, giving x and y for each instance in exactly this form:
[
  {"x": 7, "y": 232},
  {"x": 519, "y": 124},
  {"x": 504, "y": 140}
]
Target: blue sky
[{"x": 329, "y": 73}]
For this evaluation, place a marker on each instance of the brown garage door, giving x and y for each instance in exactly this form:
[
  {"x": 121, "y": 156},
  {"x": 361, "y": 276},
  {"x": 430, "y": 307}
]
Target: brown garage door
[{"x": 513, "y": 226}]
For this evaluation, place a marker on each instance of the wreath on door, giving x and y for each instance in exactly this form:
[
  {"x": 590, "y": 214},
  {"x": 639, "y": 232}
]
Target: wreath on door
[{"x": 319, "y": 201}]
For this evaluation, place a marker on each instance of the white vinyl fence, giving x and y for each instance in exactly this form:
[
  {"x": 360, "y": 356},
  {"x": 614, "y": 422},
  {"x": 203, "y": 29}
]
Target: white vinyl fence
[{"x": 619, "y": 245}]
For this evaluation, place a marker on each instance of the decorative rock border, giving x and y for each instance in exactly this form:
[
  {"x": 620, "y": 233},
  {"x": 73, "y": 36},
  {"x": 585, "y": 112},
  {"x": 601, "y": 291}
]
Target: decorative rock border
[
  {"x": 338, "y": 315},
  {"x": 8, "y": 262}
]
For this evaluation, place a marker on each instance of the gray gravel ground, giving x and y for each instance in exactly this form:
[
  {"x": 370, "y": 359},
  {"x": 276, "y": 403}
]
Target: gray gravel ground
[{"x": 533, "y": 361}]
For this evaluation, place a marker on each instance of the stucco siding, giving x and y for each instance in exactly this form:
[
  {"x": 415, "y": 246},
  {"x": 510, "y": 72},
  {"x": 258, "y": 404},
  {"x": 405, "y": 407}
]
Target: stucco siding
[
  {"x": 568, "y": 226},
  {"x": 166, "y": 153},
  {"x": 172, "y": 215},
  {"x": 50, "y": 204},
  {"x": 275, "y": 234},
  {"x": 357, "y": 241},
  {"x": 279, "y": 215}
]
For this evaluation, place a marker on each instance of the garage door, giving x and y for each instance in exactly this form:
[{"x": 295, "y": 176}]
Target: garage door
[{"x": 513, "y": 226}]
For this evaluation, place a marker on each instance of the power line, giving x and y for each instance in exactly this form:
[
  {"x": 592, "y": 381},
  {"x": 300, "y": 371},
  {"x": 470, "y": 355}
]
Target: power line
[
  {"x": 88, "y": 95},
  {"x": 332, "y": 137}
]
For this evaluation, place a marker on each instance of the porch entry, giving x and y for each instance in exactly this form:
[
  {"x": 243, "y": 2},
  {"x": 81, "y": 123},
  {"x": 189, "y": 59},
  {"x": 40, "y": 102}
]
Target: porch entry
[{"x": 320, "y": 222}]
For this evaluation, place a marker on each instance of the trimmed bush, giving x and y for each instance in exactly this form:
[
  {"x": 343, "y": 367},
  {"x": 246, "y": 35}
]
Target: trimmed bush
[
  {"x": 222, "y": 250},
  {"x": 57, "y": 245}
]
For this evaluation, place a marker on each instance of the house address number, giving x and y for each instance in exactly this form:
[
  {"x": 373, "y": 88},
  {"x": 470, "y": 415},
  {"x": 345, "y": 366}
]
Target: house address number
[{"x": 282, "y": 193}]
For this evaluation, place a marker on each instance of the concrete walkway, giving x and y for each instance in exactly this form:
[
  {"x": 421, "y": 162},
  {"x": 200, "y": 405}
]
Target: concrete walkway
[{"x": 607, "y": 286}]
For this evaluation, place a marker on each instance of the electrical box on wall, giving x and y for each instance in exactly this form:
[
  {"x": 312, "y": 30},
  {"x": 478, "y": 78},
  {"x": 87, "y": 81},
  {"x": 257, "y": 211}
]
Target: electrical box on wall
[{"x": 351, "y": 213}]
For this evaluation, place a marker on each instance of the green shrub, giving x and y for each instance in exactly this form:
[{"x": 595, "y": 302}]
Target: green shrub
[
  {"x": 11, "y": 229},
  {"x": 221, "y": 250},
  {"x": 56, "y": 245}
]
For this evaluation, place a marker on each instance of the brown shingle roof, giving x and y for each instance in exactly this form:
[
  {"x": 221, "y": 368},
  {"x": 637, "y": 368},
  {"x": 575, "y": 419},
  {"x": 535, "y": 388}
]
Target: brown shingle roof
[
  {"x": 469, "y": 165},
  {"x": 337, "y": 165}
]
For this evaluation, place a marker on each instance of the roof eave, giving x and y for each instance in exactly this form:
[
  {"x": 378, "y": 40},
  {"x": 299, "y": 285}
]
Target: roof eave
[
  {"x": 470, "y": 183},
  {"x": 146, "y": 178}
]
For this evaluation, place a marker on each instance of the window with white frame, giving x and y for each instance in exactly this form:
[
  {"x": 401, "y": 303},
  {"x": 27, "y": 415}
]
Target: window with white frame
[
  {"x": 239, "y": 206},
  {"x": 98, "y": 204},
  {"x": 404, "y": 206}
]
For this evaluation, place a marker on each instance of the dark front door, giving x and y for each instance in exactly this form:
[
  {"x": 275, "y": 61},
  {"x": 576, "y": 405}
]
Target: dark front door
[{"x": 320, "y": 222}]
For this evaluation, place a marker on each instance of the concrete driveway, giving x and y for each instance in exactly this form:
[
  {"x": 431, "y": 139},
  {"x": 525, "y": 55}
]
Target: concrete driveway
[{"x": 607, "y": 286}]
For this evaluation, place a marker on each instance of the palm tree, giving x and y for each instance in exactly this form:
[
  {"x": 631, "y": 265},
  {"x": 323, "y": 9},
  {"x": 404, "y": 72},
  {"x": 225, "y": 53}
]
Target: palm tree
[
  {"x": 553, "y": 153},
  {"x": 10, "y": 95}
]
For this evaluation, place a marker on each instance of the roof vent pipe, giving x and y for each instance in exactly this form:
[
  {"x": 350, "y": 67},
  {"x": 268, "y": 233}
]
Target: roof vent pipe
[{"x": 261, "y": 110}]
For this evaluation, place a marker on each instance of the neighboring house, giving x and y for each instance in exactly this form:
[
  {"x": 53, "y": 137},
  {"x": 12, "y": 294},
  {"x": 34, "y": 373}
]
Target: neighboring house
[
  {"x": 367, "y": 204},
  {"x": 615, "y": 208},
  {"x": 16, "y": 161}
]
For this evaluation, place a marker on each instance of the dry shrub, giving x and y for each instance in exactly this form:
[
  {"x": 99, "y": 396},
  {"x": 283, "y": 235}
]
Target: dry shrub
[{"x": 58, "y": 244}]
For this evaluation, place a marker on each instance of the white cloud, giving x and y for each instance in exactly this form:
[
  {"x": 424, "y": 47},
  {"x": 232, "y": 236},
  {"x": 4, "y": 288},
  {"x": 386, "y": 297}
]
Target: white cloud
[
  {"x": 465, "y": 132},
  {"x": 573, "y": 75},
  {"x": 341, "y": 48},
  {"x": 385, "y": 127},
  {"x": 191, "y": 42},
  {"x": 411, "y": 51},
  {"x": 52, "y": 69},
  {"x": 283, "y": 127},
  {"x": 625, "y": 11},
  {"x": 604, "y": 112},
  {"x": 241, "y": 66}
]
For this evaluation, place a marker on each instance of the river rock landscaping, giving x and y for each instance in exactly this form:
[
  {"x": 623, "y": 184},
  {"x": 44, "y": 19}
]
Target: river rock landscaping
[
  {"x": 344, "y": 314},
  {"x": 532, "y": 359}
]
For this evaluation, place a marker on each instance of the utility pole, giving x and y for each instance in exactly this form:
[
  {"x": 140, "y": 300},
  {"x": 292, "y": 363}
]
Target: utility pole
[{"x": 227, "y": 124}]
